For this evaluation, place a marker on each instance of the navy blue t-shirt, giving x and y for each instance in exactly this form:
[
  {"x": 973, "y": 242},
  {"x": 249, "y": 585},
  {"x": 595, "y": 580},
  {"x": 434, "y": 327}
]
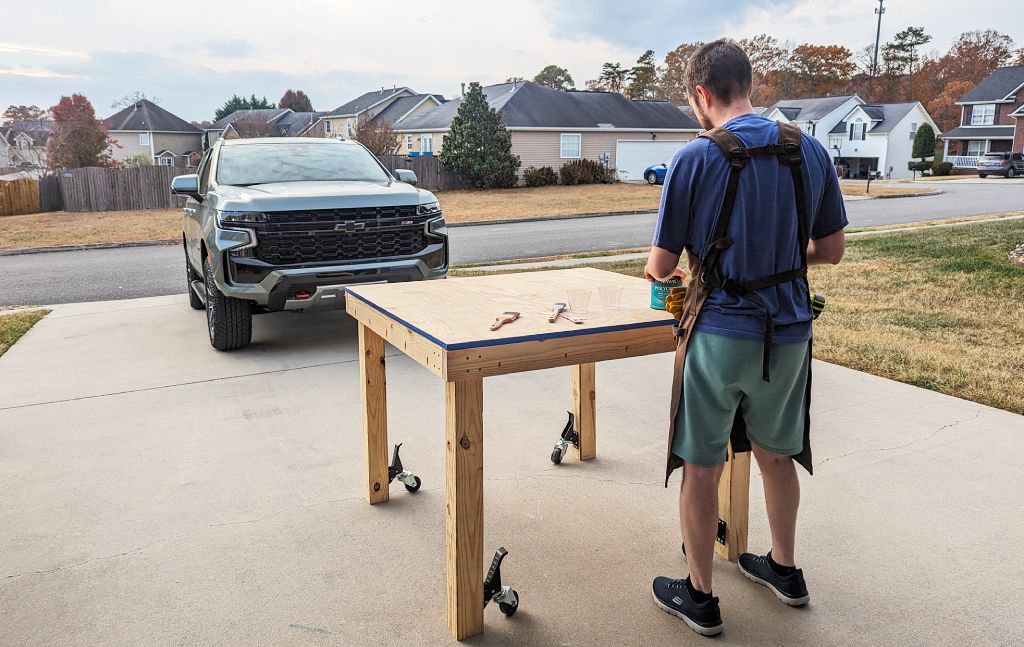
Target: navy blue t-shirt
[{"x": 763, "y": 226}]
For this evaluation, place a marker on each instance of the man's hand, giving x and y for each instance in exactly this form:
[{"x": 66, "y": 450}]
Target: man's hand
[{"x": 662, "y": 265}]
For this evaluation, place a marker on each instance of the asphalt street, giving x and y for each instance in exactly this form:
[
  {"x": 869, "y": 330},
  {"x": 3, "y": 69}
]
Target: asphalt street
[{"x": 125, "y": 273}]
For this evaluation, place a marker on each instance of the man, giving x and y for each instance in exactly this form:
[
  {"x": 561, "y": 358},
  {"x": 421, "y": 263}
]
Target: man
[{"x": 750, "y": 222}]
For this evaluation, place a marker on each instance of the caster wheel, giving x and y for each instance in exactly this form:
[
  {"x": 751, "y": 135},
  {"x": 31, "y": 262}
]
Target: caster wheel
[
  {"x": 556, "y": 456},
  {"x": 508, "y": 609},
  {"x": 415, "y": 486}
]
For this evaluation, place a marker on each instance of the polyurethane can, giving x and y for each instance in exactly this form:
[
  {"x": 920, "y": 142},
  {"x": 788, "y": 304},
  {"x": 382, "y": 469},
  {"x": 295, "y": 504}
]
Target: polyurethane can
[{"x": 660, "y": 291}]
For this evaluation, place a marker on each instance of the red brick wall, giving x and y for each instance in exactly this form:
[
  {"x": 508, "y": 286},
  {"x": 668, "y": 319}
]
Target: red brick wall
[
  {"x": 1018, "y": 136},
  {"x": 1003, "y": 111}
]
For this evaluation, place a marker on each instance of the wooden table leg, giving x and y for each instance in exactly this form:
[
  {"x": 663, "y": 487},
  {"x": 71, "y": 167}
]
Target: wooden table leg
[
  {"x": 373, "y": 390},
  {"x": 464, "y": 510},
  {"x": 585, "y": 409},
  {"x": 734, "y": 505}
]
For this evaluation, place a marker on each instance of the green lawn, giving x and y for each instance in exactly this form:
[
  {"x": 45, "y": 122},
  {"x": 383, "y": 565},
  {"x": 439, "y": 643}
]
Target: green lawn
[{"x": 13, "y": 326}]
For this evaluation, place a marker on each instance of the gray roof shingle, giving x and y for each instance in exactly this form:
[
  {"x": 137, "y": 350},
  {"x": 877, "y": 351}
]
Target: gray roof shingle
[
  {"x": 145, "y": 115},
  {"x": 365, "y": 100},
  {"x": 529, "y": 105},
  {"x": 979, "y": 132},
  {"x": 293, "y": 124},
  {"x": 268, "y": 113},
  {"x": 809, "y": 109},
  {"x": 397, "y": 108},
  {"x": 887, "y": 116},
  {"x": 997, "y": 85}
]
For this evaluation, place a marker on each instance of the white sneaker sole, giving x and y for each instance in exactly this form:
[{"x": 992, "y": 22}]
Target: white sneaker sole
[
  {"x": 783, "y": 598},
  {"x": 702, "y": 630}
]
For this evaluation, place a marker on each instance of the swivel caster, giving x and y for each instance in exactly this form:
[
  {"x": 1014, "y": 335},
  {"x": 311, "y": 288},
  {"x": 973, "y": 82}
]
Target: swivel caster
[
  {"x": 505, "y": 596},
  {"x": 569, "y": 436},
  {"x": 396, "y": 471}
]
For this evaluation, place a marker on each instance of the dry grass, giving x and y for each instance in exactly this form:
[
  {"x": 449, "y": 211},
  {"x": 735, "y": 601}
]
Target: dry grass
[
  {"x": 941, "y": 309},
  {"x": 499, "y": 204},
  {"x": 859, "y": 187},
  {"x": 79, "y": 228},
  {"x": 16, "y": 324}
]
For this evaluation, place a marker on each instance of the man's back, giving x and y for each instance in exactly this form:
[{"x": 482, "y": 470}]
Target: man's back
[{"x": 763, "y": 225}]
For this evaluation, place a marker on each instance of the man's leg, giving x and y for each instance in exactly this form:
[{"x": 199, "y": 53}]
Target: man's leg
[
  {"x": 698, "y": 520},
  {"x": 782, "y": 498}
]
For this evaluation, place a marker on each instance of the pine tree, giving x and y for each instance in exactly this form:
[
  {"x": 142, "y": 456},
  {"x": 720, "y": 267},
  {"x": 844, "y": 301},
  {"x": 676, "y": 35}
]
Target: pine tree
[
  {"x": 643, "y": 78},
  {"x": 478, "y": 147}
]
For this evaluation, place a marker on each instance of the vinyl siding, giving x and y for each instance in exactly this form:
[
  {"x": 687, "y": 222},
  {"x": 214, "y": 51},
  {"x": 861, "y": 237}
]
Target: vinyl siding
[{"x": 543, "y": 148}]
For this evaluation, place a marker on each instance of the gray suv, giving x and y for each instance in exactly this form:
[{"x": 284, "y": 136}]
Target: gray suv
[
  {"x": 1008, "y": 165},
  {"x": 276, "y": 224}
]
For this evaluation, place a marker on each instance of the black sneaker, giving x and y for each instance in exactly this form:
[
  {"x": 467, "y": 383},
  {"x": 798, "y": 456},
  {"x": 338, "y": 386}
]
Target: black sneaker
[
  {"x": 673, "y": 597},
  {"x": 790, "y": 589}
]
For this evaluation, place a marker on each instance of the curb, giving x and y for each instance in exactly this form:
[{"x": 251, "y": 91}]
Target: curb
[
  {"x": 509, "y": 221},
  {"x": 907, "y": 195},
  {"x": 78, "y": 248}
]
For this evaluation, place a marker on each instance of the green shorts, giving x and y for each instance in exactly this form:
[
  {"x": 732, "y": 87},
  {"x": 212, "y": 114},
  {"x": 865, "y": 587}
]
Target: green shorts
[{"x": 722, "y": 379}]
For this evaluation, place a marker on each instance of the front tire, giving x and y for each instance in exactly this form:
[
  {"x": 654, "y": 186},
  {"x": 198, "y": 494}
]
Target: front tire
[
  {"x": 1010, "y": 174},
  {"x": 190, "y": 275},
  {"x": 229, "y": 320},
  {"x": 983, "y": 175},
  {"x": 652, "y": 178}
]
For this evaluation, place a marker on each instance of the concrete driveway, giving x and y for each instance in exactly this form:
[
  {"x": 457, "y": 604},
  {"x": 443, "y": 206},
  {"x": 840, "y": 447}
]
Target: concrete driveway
[{"x": 156, "y": 492}]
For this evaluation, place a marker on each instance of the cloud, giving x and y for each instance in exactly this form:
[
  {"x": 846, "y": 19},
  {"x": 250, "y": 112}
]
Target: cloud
[
  {"x": 12, "y": 48},
  {"x": 37, "y": 73}
]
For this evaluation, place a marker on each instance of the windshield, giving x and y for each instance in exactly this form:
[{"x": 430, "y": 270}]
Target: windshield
[
  {"x": 995, "y": 156},
  {"x": 298, "y": 162}
]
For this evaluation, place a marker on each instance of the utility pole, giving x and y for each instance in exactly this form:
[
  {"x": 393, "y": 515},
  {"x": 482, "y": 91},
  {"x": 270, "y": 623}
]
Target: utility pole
[{"x": 878, "y": 34}]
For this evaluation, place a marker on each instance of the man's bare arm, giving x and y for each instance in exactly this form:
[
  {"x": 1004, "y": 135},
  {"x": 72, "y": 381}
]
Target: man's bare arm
[
  {"x": 828, "y": 250},
  {"x": 662, "y": 265}
]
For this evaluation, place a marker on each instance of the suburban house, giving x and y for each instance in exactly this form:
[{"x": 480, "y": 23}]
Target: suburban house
[
  {"x": 160, "y": 136},
  {"x": 262, "y": 122},
  {"x": 551, "y": 127},
  {"x": 861, "y": 137},
  {"x": 391, "y": 106},
  {"x": 24, "y": 143},
  {"x": 991, "y": 120}
]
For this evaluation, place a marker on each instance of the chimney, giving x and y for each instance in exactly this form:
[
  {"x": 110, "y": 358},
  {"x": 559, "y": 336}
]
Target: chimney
[{"x": 463, "y": 89}]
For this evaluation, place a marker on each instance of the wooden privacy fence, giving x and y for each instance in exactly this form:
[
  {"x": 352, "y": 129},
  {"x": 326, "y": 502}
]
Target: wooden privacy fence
[
  {"x": 18, "y": 197},
  {"x": 430, "y": 174},
  {"x": 120, "y": 189},
  {"x": 50, "y": 198}
]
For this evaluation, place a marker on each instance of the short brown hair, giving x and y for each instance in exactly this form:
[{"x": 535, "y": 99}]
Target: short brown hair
[{"x": 723, "y": 68}]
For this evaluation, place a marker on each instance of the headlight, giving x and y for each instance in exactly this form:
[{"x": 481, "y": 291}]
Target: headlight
[
  {"x": 242, "y": 216},
  {"x": 428, "y": 209},
  {"x": 437, "y": 226}
]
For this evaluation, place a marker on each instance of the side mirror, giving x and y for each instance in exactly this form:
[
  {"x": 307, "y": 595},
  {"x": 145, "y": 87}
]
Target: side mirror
[
  {"x": 187, "y": 185},
  {"x": 405, "y": 175}
]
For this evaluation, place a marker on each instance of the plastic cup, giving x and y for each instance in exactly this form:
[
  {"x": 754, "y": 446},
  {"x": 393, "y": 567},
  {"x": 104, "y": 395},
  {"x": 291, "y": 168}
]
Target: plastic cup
[
  {"x": 579, "y": 301},
  {"x": 610, "y": 296}
]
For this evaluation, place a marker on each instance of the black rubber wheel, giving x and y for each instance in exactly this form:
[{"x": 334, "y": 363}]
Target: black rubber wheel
[
  {"x": 508, "y": 609},
  {"x": 556, "y": 456},
  {"x": 190, "y": 275},
  {"x": 229, "y": 320},
  {"x": 983, "y": 175},
  {"x": 415, "y": 486},
  {"x": 652, "y": 178},
  {"x": 1010, "y": 174}
]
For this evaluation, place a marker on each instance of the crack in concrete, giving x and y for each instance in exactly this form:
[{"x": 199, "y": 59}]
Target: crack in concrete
[
  {"x": 177, "y": 537},
  {"x": 976, "y": 415}
]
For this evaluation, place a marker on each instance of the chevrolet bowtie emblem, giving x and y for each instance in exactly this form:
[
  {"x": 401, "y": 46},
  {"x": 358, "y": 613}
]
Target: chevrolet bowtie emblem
[{"x": 350, "y": 226}]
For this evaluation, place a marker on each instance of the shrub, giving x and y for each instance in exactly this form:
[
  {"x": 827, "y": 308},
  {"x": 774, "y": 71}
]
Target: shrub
[
  {"x": 542, "y": 176},
  {"x": 942, "y": 168},
  {"x": 920, "y": 167},
  {"x": 584, "y": 171}
]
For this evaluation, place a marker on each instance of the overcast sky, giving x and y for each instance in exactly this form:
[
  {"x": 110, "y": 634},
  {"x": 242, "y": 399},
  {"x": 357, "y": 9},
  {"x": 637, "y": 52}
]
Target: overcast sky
[{"x": 193, "y": 55}]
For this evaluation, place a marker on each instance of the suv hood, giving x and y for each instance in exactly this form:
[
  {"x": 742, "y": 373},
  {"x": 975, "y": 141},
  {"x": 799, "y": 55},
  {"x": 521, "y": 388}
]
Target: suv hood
[{"x": 288, "y": 196}]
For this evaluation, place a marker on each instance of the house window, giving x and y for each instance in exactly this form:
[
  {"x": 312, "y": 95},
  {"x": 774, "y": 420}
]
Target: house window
[
  {"x": 350, "y": 131},
  {"x": 857, "y": 130},
  {"x": 23, "y": 144},
  {"x": 570, "y": 145},
  {"x": 977, "y": 147},
  {"x": 913, "y": 131},
  {"x": 808, "y": 127},
  {"x": 983, "y": 115},
  {"x": 427, "y": 144},
  {"x": 408, "y": 142},
  {"x": 165, "y": 161},
  {"x": 143, "y": 139},
  {"x": 835, "y": 143},
  {"x": 327, "y": 128}
]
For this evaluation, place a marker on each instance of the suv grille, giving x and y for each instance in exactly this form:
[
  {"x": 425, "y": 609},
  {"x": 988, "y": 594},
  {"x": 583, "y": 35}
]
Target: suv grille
[{"x": 292, "y": 237}]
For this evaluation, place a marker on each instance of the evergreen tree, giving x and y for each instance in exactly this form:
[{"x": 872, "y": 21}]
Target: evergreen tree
[
  {"x": 556, "y": 78},
  {"x": 902, "y": 50},
  {"x": 478, "y": 147},
  {"x": 924, "y": 146},
  {"x": 643, "y": 78},
  {"x": 231, "y": 105}
]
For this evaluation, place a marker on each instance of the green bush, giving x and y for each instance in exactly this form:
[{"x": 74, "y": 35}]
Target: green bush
[
  {"x": 942, "y": 168},
  {"x": 920, "y": 167},
  {"x": 542, "y": 176},
  {"x": 584, "y": 171}
]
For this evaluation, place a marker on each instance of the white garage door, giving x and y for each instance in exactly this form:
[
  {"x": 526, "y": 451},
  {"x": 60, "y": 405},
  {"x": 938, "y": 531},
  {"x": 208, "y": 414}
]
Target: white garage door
[{"x": 633, "y": 156}]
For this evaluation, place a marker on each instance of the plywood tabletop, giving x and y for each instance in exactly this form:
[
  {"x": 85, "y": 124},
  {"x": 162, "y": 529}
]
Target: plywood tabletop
[{"x": 457, "y": 313}]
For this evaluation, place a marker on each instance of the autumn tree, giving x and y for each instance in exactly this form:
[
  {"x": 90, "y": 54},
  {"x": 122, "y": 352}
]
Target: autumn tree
[
  {"x": 377, "y": 135},
  {"x": 296, "y": 100},
  {"x": 643, "y": 77},
  {"x": 769, "y": 61},
  {"x": 671, "y": 80},
  {"x": 132, "y": 98},
  {"x": 22, "y": 113},
  {"x": 976, "y": 53},
  {"x": 250, "y": 126},
  {"x": 556, "y": 78},
  {"x": 79, "y": 138},
  {"x": 822, "y": 69},
  {"x": 943, "y": 108},
  {"x": 515, "y": 79},
  {"x": 612, "y": 79},
  {"x": 478, "y": 146}
]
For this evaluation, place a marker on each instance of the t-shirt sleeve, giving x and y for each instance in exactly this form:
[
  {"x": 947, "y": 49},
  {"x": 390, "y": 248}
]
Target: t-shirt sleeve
[
  {"x": 831, "y": 215},
  {"x": 674, "y": 215}
]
